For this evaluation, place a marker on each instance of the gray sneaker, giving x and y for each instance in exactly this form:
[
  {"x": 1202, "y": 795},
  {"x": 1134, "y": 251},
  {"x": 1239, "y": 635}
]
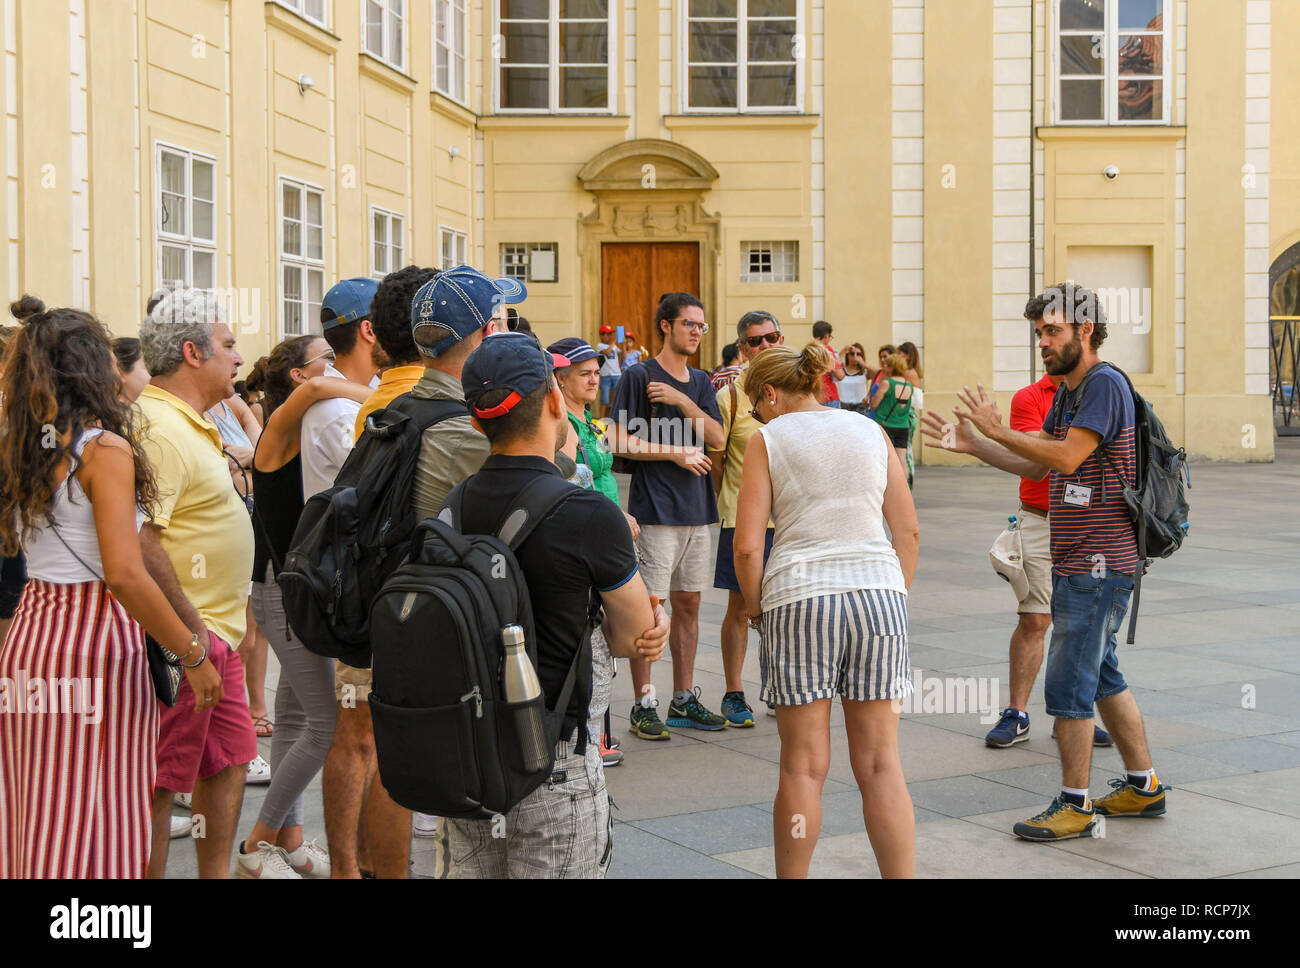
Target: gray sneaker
[
  {"x": 646, "y": 723},
  {"x": 692, "y": 714}
]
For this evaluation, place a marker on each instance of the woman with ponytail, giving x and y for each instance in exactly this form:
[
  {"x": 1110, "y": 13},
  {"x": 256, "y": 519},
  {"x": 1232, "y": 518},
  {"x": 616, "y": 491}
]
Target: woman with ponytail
[
  {"x": 78, "y": 741},
  {"x": 831, "y": 605}
]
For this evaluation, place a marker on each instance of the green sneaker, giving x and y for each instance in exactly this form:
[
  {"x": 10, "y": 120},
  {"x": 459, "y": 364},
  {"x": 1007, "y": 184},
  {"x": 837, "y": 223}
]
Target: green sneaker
[
  {"x": 692, "y": 714},
  {"x": 646, "y": 723}
]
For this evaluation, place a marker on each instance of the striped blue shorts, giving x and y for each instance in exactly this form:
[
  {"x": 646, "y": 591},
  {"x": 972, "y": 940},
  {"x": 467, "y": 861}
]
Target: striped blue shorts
[{"x": 852, "y": 645}]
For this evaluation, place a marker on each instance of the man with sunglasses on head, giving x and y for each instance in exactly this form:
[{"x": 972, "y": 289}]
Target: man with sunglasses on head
[
  {"x": 756, "y": 331},
  {"x": 664, "y": 413},
  {"x": 328, "y": 426}
]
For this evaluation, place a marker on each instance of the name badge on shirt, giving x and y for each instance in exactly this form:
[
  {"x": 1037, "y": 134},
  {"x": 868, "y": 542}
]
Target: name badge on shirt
[{"x": 1077, "y": 495}]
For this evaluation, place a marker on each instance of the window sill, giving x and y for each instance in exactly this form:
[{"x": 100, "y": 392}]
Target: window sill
[
  {"x": 451, "y": 108},
  {"x": 674, "y": 121},
  {"x": 292, "y": 22},
  {"x": 386, "y": 73},
  {"x": 1111, "y": 132},
  {"x": 553, "y": 121}
]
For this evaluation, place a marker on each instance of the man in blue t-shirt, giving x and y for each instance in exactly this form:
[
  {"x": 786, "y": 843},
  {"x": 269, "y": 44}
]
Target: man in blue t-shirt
[
  {"x": 1087, "y": 445},
  {"x": 664, "y": 414}
]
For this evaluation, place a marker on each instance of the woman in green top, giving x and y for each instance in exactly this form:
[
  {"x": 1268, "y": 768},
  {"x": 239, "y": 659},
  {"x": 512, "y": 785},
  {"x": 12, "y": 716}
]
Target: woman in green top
[
  {"x": 892, "y": 402},
  {"x": 580, "y": 384}
]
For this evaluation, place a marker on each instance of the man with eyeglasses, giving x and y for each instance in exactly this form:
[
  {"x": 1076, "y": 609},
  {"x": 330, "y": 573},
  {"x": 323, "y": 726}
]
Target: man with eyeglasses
[
  {"x": 664, "y": 413},
  {"x": 328, "y": 426},
  {"x": 756, "y": 331}
]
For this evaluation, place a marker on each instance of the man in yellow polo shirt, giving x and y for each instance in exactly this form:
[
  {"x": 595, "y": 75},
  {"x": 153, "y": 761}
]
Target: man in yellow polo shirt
[
  {"x": 756, "y": 332},
  {"x": 199, "y": 549}
]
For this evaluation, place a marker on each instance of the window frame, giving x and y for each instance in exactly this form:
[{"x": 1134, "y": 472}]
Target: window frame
[
  {"x": 390, "y": 217},
  {"x": 458, "y": 234},
  {"x": 742, "y": 63},
  {"x": 298, "y": 7},
  {"x": 785, "y": 247},
  {"x": 186, "y": 240},
  {"x": 497, "y": 53},
  {"x": 463, "y": 50},
  {"x": 1110, "y": 74},
  {"x": 302, "y": 262},
  {"x": 404, "y": 18},
  {"x": 529, "y": 248}
]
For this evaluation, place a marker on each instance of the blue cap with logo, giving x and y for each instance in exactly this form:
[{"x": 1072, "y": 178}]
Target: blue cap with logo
[
  {"x": 347, "y": 301},
  {"x": 506, "y": 361},
  {"x": 457, "y": 303}
]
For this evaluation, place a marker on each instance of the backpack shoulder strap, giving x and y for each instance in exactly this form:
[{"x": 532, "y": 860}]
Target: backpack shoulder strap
[{"x": 531, "y": 506}]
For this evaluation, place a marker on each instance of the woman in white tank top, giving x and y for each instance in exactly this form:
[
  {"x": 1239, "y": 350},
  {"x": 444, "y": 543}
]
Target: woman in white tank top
[
  {"x": 79, "y": 716},
  {"x": 832, "y": 604}
]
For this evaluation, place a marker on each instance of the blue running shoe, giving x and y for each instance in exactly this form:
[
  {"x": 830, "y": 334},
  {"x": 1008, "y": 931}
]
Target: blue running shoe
[
  {"x": 736, "y": 710},
  {"x": 1100, "y": 737},
  {"x": 1011, "y": 729}
]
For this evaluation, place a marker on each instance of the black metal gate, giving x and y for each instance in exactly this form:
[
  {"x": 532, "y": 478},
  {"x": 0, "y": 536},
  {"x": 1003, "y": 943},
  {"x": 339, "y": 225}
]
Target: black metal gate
[{"x": 1284, "y": 360}]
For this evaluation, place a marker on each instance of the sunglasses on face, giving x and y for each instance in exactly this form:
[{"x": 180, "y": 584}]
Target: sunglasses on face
[
  {"x": 328, "y": 355},
  {"x": 770, "y": 338}
]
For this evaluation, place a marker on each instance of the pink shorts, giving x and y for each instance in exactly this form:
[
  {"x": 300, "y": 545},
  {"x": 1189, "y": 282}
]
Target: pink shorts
[{"x": 196, "y": 745}]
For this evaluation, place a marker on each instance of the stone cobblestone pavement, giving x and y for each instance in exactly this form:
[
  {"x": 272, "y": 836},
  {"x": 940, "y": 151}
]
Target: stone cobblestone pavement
[{"x": 1215, "y": 669}]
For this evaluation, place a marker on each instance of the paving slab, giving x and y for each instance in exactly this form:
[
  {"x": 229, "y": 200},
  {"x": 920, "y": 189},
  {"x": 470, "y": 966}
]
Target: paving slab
[{"x": 1278, "y": 791}]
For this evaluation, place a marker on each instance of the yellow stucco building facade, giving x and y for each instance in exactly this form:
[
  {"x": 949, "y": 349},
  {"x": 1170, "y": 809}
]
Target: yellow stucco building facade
[{"x": 906, "y": 169}]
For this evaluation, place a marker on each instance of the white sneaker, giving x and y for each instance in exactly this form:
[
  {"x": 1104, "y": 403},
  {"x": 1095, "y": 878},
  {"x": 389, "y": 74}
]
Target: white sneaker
[
  {"x": 181, "y": 827},
  {"x": 259, "y": 771},
  {"x": 424, "y": 825},
  {"x": 309, "y": 859},
  {"x": 268, "y": 862},
  {"x": 771, "y": 709},
  {"x": 184, "y": 800}
]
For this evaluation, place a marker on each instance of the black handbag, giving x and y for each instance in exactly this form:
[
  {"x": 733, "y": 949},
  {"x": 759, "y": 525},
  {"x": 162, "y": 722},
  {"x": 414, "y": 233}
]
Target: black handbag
[{"x": 164, "y": 669}]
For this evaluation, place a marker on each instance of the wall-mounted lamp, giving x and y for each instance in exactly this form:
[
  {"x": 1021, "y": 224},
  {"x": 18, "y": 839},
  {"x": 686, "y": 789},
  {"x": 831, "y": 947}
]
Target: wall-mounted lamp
[
  {"x": 454, "y": 151},
  {"x": 305, "y": 83},
  {"x": 1110, "y": 172}
]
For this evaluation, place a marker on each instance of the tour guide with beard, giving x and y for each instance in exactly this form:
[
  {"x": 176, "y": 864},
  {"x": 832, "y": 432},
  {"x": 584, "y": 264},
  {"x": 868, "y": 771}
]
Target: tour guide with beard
[{"x": 1094, "y": 552}]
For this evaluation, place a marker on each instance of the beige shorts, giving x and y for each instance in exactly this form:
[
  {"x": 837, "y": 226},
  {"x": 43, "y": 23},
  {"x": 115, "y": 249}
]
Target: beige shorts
[
  {"x": 1036, "y": 546},
  {"x": 350, "y": 683},
  {"x": 675, "y": 558}
]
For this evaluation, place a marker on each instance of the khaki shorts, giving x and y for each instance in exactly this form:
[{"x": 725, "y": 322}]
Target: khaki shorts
[
  {"x": 1036, "y": 546},
  {"x": 675, "y": 558},
  {"x": 351, "y": 684}
]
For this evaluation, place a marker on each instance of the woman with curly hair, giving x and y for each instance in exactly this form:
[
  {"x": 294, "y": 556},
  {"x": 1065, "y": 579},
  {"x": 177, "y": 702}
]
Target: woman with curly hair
[{"x": 78, "y": 738}]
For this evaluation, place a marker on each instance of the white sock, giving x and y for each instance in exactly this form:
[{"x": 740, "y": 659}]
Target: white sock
[
  {"x": 681, "y": 695},
  {"x": 1146, "y": 775},
  {"x": 1076, "y": 792}
]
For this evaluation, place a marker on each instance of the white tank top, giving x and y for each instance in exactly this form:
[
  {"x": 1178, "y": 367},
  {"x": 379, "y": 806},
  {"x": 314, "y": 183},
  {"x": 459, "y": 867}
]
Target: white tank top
[
  {"x": 47, "y": 558},
  {"x": 829, "y": 469}
]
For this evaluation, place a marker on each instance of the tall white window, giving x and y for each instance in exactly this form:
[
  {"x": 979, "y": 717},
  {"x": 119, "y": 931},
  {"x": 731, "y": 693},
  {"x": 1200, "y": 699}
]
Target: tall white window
[
  {"x": 388, "y": 231},
  {"x": 302, "y": 257},
  {"x": 554, "y": 55},
  {"x": 451, "y": 244},
  {"x": 744, "y": 56},
  {"x": 1112, "y": 61},
  {"x": 383, "y": 31},
  {"x": 450, "y": 44},
  {"x": 311, "y": 9},
  {"x": 186, "y": 218}
]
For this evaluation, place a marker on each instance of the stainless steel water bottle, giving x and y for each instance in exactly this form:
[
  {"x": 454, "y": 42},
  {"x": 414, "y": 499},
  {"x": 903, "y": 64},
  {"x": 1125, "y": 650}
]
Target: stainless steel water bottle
[{"x": 519, "y": 683}]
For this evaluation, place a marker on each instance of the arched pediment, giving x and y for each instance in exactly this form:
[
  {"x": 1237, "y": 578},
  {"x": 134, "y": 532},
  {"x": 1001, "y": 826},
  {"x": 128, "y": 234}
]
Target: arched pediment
[{"x": 622, "y": 167}]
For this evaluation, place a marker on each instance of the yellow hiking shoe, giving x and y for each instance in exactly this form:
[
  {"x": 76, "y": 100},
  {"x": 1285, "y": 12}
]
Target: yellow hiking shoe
[
  {"x": 1126, "y": 800},
  {"x": 1060, "y": 821}
]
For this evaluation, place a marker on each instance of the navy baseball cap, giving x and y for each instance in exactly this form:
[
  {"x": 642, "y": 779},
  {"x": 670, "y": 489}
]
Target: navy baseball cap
[
  {"x": 347, "y": 301},
  {"x": 459, "y": 302},
  {"x": 506, "y": 361},
  {"x": 574, "y": 350}
]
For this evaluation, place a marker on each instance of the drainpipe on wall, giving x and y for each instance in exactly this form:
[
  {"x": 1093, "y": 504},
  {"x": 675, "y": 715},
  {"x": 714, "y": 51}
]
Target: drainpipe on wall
[{"x": 1033, "y": 183}]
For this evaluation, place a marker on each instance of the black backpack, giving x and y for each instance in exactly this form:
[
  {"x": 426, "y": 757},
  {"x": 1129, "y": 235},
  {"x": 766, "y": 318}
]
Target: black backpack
[
  {"x": 351, "y": 537},
  {"x": 1157, "y": 501},
  {"x": 445, "y": 738}
]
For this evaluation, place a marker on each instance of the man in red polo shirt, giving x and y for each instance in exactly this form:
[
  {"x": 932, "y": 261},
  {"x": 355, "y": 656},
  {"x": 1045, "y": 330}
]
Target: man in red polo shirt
[{"x": 1029, "y": 409}]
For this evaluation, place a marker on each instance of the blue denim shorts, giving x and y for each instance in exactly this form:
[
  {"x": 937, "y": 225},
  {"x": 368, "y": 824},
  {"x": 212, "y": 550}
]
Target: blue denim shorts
[
  {"x": 1082, "y": 668},
  {"x": 607, "y": 385}
]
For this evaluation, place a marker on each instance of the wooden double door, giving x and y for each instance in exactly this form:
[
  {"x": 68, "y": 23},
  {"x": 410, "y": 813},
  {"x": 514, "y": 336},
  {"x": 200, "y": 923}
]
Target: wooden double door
[{"x": 633, "y": 275}]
